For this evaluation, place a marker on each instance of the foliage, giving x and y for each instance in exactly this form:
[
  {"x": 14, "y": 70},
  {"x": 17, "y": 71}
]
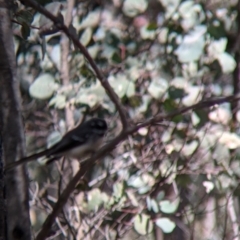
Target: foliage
[{"x": 158, "y": 56}]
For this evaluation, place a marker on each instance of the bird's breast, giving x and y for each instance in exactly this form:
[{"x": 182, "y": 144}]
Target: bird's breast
[{"x": 84, "y": 150}]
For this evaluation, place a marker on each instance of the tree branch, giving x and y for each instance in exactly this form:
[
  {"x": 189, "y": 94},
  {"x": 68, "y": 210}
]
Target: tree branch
[
  {"x": 15, "y": 182},
  {"x": 109, "y": 90}
]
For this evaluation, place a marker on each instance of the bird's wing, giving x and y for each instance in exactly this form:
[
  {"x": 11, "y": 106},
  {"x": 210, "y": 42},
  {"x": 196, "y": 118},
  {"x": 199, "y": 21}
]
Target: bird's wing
[{"x": 67, "y": 143}]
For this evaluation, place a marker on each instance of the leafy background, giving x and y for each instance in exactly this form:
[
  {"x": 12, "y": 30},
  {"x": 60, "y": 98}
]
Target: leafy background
[{"x": 174, "y": 180}]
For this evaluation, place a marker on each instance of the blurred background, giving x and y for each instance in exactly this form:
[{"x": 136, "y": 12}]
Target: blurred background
[{"x": 178, "y": 179}]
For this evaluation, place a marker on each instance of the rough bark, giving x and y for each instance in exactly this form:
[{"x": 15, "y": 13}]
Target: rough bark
[
  {"x": 11, "y": 131},
  {"x": 2, "y": 197}
]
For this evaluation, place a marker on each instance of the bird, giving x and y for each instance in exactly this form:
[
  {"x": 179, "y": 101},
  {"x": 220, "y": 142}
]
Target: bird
[{"x": 85, "y": 139}]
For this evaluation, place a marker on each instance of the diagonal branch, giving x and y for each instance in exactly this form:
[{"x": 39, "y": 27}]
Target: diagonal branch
[
  {"x": 200, "y": 105},
  {"x": 109, "y": 90}
]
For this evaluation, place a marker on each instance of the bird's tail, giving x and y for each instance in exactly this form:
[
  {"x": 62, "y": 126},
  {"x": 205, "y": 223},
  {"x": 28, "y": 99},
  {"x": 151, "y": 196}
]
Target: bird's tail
[{"x": 27, "y": 159}]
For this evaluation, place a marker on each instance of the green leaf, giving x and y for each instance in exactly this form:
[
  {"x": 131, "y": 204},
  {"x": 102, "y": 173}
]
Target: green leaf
[
  {"x": 147, "y": 34},
  {"x": 217, "y": 47},
  {"x": 59, "y": 101},
  {"x": 216, "y": 29},
  {"x": 193, "y": 95},
  {"x": 143, "y": 224},
  {"x": 222, "y": 154},
  {"x": 144, "y": 189},
  {"x": 224, "y": 182},
  {"x": 189, "y": 148},
  {"x": 169, "y": 105},
  {"x": 226, "y": 62},
  {"x": 24, "y": 17},
  {"x": 91, "y": 96},
  {"x": 235, "y": 167},
  {"x": 221, "y": 115},
  {"x": 55, "y": 55},
  {"x": 160, "y": 196},
  {"x": 237, "y": 192},
  {"x": 94, "y": 199},
  {"x": 136, "y": 182},
  {"x": 108, "y": 52},
  {"x": 185, "y": 6},
  {"x": 169, "y": 207},
  {"x": 86, "y": 36},
  {"x": 134, "y": 73},
  {"x": 176, "y": 93},
  {"x": 192, "y": 45},
  {"x": 118, "y": 189},
  {"x": 93, "y": 50},
  {"x": 158, "y": 87},
  {"x": 231, "y": 140},
  {"x": 132, "y": 8},
  {"x": 130, "y": 90},
  {"x": 122, "y": 86},
  {"x": 91, "y": 20},
  {"x": 133, "y": 198},
  {"x": 55, "y": 9},
  {"x": 116, "y": 58},
  {"x": 146, "y": 99},
  {"x": 46, "y": 25},
  {"x": 152, "y": 26},
  {"x": 25, "y": 31},
  {"x": 195, "y": 14},
  {"x": 170, "y": 6},
  {"x": 53, "y": 138},
  {"x": 143, "y": 182},
  {"x": 165, "y": 224},
  {"x": 43, "y": 87},
  {"x": 202, "y": 117},
  {"x": 152, "y": 205},
  {"x": 183, "y": 180}
]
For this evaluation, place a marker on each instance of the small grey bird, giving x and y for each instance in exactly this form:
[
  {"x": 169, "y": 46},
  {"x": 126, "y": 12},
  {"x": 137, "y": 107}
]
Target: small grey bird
[{"x": 85, "y": 139}]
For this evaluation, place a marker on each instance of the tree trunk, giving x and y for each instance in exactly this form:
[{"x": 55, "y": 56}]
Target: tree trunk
[{"x": 11, "y": 132}]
